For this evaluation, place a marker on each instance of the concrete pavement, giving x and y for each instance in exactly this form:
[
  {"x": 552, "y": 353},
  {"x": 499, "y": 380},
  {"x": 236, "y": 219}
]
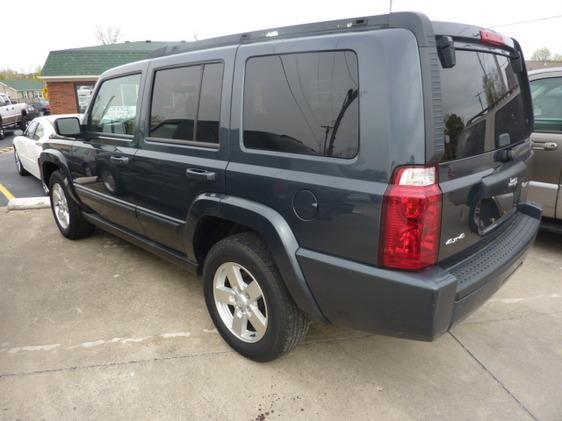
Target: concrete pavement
[{"x": 99, "y": 329}]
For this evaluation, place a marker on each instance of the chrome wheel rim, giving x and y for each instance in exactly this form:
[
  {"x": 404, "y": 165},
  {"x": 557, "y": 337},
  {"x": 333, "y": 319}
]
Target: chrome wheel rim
[
  {"x": 60, "y": 206},
  {"x": 18, "y": 163},
  {"x": 240, "y": 302}
]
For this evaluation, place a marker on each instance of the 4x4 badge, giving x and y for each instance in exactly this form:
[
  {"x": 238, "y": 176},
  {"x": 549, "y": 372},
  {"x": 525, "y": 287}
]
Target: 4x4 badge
[
  {"x": 453, "y": 240},
  {"x": 512, "y": 182}
]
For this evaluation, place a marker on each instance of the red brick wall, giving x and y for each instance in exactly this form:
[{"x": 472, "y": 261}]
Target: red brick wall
[{"x": 62, "y": 96}]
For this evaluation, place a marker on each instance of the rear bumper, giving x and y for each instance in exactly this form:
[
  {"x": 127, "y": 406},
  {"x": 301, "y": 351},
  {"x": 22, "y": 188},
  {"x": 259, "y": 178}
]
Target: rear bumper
[{"x": 418, "y": 305}]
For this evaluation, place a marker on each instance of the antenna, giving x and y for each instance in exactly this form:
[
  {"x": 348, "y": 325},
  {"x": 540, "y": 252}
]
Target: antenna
[{"x": 390, "y": 7}]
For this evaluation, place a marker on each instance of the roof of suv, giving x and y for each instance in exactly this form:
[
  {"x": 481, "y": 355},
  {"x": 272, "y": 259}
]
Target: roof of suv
[{"x": 418, "y": 23}]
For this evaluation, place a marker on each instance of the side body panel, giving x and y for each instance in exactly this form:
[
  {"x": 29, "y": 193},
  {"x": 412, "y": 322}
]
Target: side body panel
[{"x": 348, "y": 191}]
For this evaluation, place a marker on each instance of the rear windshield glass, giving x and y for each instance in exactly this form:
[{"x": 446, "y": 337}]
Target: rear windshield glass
[{"x": 483, "y": 106}]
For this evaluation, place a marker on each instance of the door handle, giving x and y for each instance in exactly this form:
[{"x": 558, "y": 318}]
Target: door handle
[
  {"x": 119, "y": 160},
  {"x": 545, "y": 146},
  {"x": 200, "y": 174}
]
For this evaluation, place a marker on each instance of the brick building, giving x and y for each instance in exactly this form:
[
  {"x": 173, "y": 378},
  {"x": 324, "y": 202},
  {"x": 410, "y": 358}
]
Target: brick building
[{"x": 71, "y": 74}]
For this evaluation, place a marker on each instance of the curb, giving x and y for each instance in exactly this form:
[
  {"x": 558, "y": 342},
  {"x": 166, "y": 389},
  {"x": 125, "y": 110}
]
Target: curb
[{"x": 24, "y": 203}]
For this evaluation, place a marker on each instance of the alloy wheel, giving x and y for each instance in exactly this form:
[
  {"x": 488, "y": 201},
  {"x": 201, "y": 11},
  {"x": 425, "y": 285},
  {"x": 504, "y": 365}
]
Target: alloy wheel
[
  {"x": 18, "y": 162},
  {"x": 60, "y": 206},
  {"x": 240, "y": 302}
]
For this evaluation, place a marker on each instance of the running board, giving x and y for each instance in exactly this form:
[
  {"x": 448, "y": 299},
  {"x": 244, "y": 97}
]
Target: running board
[{"x": 142, "y": 242}]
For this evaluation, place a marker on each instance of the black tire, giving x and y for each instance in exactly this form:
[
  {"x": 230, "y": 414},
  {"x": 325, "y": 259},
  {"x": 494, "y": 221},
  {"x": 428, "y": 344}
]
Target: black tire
[
  {"x": 2, "y": 132},
  {"x": 23, "y": 122},
  {"x": 77, "y": 227},
  {"x": 19, "y": 166},
  {"x": 287, "y": 325}
]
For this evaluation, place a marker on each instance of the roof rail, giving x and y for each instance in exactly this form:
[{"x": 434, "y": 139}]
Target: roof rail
[{"x": 418, "y": 23}]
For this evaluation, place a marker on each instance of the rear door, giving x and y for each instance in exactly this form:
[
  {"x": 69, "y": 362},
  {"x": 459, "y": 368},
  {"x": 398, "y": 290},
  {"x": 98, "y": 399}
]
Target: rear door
[
  {"x": 546, "y": 90},
  {"x": 32, "y": 148},
  {"x": 23, "y": 143},
  {"x": 184, "y": 151},
  {"x": 486, "y": 166}
]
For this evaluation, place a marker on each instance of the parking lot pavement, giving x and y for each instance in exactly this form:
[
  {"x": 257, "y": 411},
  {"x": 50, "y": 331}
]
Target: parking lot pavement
[
  {"x": 98, "y": 329},
  {"x": 15, "y": 184}
]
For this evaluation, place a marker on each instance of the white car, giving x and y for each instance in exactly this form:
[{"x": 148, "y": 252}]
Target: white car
[{"x": 28, "y": 146}]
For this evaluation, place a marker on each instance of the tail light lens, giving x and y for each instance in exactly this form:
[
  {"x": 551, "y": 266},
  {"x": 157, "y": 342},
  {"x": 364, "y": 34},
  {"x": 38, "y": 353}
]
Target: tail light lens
[
  {"x": 411, "y": 219},
  {"x": 492, "y": 38}
]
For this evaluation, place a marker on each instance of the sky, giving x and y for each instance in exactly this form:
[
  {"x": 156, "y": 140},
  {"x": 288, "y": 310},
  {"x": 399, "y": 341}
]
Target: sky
[{"x": 27, "y": 37}]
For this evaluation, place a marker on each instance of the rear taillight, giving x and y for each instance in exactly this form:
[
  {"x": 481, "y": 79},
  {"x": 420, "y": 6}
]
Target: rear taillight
[
  {"x": 492, "y": 38},
  {"x": 411, "y": 219}
]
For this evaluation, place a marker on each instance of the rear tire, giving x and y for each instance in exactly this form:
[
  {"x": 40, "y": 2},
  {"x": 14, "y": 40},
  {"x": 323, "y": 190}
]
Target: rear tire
[
  {"x": 19, "y": 166},
  {"x": 23, "y": 122},
  {"x": 66, "y": 212},
  {"x": 235, "y": 306},
  {"x": 2, "y": 132}
]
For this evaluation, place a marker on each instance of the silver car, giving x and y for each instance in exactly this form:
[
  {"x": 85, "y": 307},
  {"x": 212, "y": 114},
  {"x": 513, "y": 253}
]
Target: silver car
[{"x": 546, "y": 187}]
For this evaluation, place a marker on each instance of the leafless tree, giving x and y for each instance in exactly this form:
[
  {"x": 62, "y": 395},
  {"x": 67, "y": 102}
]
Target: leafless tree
[
  {"x": 108, "y": 34},
  {"x": 542, "y": 54}
]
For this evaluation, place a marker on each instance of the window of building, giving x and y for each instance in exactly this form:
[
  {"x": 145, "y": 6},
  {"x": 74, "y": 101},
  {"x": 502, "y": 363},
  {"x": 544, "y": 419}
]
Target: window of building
[
  {"x": 115, "y": 106},
  {"x": 186, "y": 103},
  {"x": 83, "y": 96},
  {"x": 304, "y": 103}
]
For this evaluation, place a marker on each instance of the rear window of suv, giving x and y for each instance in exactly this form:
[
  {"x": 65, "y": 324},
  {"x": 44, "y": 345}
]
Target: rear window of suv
[{"x": 483, "y": 105}]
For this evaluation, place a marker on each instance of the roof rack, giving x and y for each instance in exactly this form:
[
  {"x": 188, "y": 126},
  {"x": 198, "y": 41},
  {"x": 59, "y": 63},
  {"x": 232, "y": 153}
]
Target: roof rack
[{"x": 418, "y": 23}]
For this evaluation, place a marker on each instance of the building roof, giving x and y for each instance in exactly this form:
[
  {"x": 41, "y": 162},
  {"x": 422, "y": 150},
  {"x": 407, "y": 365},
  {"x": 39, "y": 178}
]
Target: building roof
[
  {"x": 24, "y": 84},
  {"x": 93, "y": 61}
]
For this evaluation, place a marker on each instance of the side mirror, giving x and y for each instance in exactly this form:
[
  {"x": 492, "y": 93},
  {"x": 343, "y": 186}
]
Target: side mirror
[
  {"x": 67, "y": 126},
  {"x": 446, "y": 51}
]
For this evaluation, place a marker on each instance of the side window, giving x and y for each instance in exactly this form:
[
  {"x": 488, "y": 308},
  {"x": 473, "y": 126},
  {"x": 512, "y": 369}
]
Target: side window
[
  {"x": 304, "y": 103},
  {"x": 210, "y": 104},
  {"x": 547, "y": 104},
  {"x": 30, "y": 130},
  {"x": 115, "y": 106},
  {"x": 2, "y": 101},
  {"x": 174, "y": 103},
  {"x": 39, "y": 132},
  {"x": 186, "y": 103}
]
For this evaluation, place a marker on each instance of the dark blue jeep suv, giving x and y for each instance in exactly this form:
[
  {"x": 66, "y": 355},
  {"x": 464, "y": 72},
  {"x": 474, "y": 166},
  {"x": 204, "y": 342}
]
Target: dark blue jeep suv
[{"x": 368, "y": 172}]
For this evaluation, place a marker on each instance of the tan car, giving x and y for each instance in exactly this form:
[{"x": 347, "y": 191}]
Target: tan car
[{"x": 546, "y": 187}]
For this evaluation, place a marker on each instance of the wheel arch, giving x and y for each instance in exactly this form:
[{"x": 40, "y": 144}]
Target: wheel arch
[
  {"x": 239, "y": 215},
  {"x": 52, "y": 160}
]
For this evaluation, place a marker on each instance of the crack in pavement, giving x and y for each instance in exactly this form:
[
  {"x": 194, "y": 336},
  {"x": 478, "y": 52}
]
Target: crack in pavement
[
  {"x": 176, "y": 357},
  {"x": 498, "y": 381},
  {"x": 508, "y": 319}
]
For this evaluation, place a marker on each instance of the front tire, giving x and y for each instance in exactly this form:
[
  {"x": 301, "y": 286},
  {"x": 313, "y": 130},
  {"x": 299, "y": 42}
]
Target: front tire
[
  {"x": 248, "y": 301},
  {"x": 68, "y": 216},
  {"x": 2, "y": 132}
]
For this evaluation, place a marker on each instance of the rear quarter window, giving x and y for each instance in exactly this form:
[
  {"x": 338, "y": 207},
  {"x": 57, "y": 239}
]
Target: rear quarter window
[{"x": 304, "y": 103}]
